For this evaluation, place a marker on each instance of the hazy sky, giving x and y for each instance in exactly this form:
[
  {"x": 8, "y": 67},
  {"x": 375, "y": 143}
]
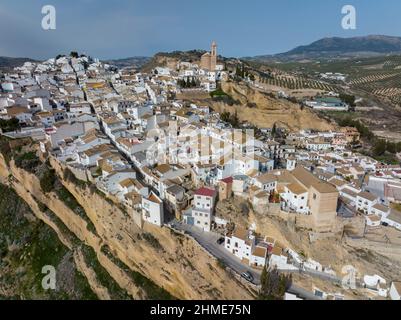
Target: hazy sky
[{"x": 124, "y": 28}]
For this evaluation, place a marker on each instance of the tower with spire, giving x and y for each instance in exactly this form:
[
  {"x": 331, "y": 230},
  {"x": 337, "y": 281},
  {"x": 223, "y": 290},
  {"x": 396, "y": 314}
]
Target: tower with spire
[{"x": 209, "y": 59}]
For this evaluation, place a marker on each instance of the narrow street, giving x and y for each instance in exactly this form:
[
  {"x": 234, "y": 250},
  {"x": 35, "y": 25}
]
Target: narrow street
[{"x": 208, "y": 240}]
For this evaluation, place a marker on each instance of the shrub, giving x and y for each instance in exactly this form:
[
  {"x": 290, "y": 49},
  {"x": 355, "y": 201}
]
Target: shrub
[
  {"x": 28, "y": 161},
  {"x": 152, "y": 240},
  {"x": 153, "y": 291},
  {"x": 273, "y": 285},
  {"x": 9, "y": 125},
  {"x": 47, "y": 180}
]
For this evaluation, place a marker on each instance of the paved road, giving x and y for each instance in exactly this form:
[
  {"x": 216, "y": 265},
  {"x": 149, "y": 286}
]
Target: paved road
[
  {"x": 208, "y": 241},
  {"x": 302, "y": 293}
]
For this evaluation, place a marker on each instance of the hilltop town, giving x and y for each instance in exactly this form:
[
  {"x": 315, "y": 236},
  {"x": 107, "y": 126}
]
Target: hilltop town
[{"x": 285, "y": 198}]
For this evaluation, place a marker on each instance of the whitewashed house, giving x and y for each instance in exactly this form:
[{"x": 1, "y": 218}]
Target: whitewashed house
[
  {"x": 365, "y": 201},
  {"x": 152, "y": 210},
  {"x": 395, "y": 290}
]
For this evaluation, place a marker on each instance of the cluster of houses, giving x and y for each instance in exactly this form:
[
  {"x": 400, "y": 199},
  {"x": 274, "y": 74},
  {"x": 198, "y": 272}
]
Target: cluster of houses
[{"x": 163, "y": 158}]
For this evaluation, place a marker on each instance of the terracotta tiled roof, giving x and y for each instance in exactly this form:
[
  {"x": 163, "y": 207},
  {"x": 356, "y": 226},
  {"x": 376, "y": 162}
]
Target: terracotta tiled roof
[{"x": 205, "y": 192}]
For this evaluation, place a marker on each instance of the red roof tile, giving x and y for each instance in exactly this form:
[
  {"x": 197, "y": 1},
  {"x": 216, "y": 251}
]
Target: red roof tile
[
  {"x": 205, "y": 192},
  {"x": 227, "y": 180}
]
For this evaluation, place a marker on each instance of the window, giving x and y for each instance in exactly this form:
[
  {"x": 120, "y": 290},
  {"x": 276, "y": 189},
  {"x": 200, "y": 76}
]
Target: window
[
  {"x": 236, "y": 245},
  {"x": 314, "y": 196}
]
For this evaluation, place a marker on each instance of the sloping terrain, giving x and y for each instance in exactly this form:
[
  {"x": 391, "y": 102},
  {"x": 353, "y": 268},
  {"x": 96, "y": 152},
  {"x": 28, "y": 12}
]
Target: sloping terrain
[
  {"x": 26, "y": 245},
  {"x": 261, "y": 109},
  {"x": 129, "y": 262}
]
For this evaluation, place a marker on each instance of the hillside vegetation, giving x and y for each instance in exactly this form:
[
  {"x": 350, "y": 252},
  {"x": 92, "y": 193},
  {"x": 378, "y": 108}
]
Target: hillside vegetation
[{"x": 26, "y": 245}]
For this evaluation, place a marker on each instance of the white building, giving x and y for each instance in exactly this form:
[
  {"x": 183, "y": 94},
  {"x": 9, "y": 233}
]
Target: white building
[
  {"x": 152, "y": 210},
  {"x": 395, "y": 290},
  {"x": 393, "y": 219},
  {"x": 296, "y": 198},
  {"x": 201, "y": 214},
  {"x": 376, "y": 285},
  {"x": 240, "y": 243},
  {"x": 243, "y": 245},
  {"x": 365, "y": 201}
]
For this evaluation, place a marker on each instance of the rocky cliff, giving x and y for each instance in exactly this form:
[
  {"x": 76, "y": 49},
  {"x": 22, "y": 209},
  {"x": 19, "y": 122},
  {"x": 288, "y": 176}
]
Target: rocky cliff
[
  {"x": 137, "y": 259},
  {"x": 263, "y": 111}
]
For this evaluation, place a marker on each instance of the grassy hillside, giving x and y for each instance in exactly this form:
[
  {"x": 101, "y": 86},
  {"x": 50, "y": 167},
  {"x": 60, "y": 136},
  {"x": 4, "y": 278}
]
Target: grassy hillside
[{"x": 26, "y": 245}]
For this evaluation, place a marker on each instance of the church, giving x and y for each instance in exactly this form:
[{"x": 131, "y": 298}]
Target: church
[{"x": 209, "y": 59}]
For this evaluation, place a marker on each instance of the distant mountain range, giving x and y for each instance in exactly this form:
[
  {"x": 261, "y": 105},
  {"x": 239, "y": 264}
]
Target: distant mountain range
[
  {"x": 7, "y": 63},
  {"x": 335, "y": 47},
  {"x": 136, "y": 62},
  {"x": 326, "y": 48}
]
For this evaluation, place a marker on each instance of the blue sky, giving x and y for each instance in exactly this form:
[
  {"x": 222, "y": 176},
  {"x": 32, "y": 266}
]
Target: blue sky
[{"x": 124, "y": 28}]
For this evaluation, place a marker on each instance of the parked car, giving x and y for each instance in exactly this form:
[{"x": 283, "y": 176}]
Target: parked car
[
  {"x": 220, "y": 240},
  {"x": 247, "y": 276}
]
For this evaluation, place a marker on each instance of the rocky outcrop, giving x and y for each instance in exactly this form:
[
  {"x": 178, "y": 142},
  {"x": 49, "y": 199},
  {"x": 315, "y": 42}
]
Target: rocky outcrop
[
  {"x": 172, "y": 261},
  {"x": 101, "y": 292},
  {"x": 263, "y": 111}
]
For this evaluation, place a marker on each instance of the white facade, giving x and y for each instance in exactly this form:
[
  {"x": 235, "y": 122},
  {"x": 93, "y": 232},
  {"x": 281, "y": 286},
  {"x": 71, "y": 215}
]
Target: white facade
[
  {"x": 395, "y": 291},
  {"x": 365, "y": 204},
  {"x": 202, "y": 211},
  {"x": 152, "y": 210},
  {"x": 296, "y": 201},
  {"x": 239, "y": 247}
]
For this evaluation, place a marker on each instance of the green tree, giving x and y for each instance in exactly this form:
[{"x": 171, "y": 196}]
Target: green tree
[
  {"x": 379, "y": 147},
  {"x": 274, "y": 130},
  {"x": 9, "y": 125},
  {"x": 238, "y": 71},
  {"x": 273, "y": 285},
  {"x": 391, "y": 147},
  {"x": 348, "y": 99},
  {"x": 47, "y": 180},
  {"x": 235, "y": 120},
  {"x": 225, "y": 116}
]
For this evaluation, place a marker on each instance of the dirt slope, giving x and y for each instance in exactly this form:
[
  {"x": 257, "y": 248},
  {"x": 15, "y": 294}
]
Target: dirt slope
[{"x": 269, "y": 110}]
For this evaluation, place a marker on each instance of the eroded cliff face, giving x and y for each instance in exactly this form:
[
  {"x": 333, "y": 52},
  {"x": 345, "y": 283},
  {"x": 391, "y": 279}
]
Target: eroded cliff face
[
  {"x": 172, "y": 261},
  {"x": 268, "y": 111}
]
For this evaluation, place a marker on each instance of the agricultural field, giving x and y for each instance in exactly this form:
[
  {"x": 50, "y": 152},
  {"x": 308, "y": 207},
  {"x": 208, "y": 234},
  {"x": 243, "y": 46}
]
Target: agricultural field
[
  {"x": 380, "y": 76},
  {"x": 294, "y": 82},
  {"x": 375, "y": 82}
]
